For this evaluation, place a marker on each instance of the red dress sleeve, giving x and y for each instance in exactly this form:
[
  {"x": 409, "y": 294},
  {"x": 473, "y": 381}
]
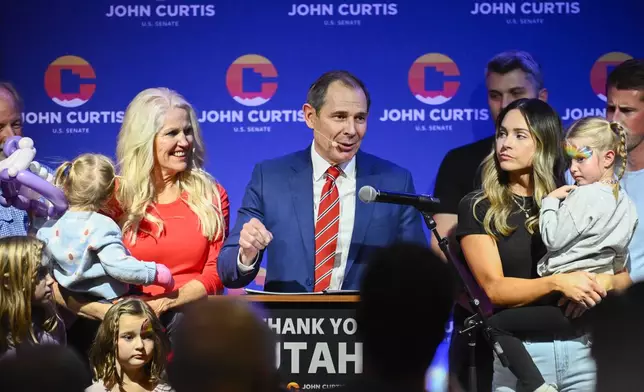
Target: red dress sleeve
[{"x": 209, "y": 276}]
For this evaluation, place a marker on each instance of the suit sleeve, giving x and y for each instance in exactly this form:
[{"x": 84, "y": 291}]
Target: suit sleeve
[
  {"x": 411, "y": 224},
  {"x": 252, "y": 207},
  {"x": 209, "y": 276}
]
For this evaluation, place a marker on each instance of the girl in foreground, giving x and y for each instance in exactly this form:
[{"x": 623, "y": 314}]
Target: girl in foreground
[{"x": 130, "y": 350}]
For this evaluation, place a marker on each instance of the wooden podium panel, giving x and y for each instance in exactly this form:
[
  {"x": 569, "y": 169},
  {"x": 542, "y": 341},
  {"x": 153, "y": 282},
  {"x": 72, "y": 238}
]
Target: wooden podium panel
[{"x": 317, "y": 347}]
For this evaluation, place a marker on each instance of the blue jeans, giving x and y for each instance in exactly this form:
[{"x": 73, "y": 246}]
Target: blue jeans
[{"x": 565, "y": 363}]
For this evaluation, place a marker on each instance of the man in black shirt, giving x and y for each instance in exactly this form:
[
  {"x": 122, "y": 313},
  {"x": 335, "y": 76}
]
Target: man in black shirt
[{"x": 509, "y": 76}]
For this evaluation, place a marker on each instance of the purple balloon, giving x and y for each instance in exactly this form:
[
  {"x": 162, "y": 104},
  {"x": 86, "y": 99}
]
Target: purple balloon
[
  {"x": 10, "y": 187},
  {"x": 22, "y": 203},
  {"x": 43, "y": 187},
  {"x": 11, "y": 145}
]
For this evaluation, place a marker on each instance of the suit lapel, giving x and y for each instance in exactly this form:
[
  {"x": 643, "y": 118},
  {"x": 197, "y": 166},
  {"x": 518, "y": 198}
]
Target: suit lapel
[
  {"x": 364, "y": 211},
  {"x": 301, "y": 186}
]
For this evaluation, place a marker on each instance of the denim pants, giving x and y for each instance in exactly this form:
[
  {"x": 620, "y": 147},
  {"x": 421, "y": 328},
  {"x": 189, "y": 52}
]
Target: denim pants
[{"x": 565, "y": 363}]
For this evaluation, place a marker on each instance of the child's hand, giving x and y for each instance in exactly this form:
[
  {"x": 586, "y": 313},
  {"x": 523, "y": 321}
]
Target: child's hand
[
  {"x": 163, "y": 277},
  {"x": 562, "y": 192}
]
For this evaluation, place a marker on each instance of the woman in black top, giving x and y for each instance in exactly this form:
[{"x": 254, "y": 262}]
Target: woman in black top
[{"x": 499, "y": 237}]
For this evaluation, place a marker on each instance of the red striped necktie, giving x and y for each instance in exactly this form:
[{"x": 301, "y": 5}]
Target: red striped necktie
[{"x": 326, "y": 230}]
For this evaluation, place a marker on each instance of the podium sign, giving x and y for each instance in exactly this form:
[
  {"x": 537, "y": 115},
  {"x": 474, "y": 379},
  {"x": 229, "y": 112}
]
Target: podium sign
[{"x": 317, "y": 345}]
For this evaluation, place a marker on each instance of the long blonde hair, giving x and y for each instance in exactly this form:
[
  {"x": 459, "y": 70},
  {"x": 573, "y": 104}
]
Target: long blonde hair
[
  {"x": 603, "y": 135},
  {"x": 135, "y": 193},
  {"x": 21, "y": 268},
  {"x": 103, "y": 354},
  {"x": 548, "y": 167},
  {"x": 88, "y": 181}
]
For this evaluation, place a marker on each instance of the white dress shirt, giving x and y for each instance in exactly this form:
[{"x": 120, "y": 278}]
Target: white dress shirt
[{"x": 346, "y": 184}]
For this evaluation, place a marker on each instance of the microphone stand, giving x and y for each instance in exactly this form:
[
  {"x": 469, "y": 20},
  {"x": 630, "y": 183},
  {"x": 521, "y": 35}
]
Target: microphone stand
[{"x": 474, "y": 322}]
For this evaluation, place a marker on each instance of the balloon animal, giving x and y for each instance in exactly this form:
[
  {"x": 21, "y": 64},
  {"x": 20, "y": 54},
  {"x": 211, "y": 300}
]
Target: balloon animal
[{"x": 25, "y": 184}]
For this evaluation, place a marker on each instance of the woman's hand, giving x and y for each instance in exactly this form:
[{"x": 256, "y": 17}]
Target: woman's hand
[
  {"x": 159, "y": 304},
  {"x": 572, "y": 309},
  {"x": 581, "y": 287},
  {"x": 190, "y": 292},
  {"x": 606, "y": 281},
  {"x": 562, "y": 192}
]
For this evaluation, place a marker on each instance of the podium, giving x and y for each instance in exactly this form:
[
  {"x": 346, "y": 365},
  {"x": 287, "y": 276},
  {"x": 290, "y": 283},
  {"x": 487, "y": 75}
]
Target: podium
[{"x": 317, "y": 347}]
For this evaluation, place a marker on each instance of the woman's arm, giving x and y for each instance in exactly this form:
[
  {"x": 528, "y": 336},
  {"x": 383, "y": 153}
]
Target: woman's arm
[
  {"x": 208, "y": 283},
  {"x": 482, "y": 256},
  {"x": 190, "y": 292},
  {"x": 209, "y": 277},
  {"x": 90, "y": 310},
  {"x": 618, "y": 282},
  {"x": 621, "y": 280}
]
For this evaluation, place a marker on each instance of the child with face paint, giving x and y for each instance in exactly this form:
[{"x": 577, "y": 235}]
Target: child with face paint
[
  {"x": 585, "y": 227},
  {"x": 27, "y": 314},
  {"x": 130, "y": 350},
  {"x": 589, "y": 226}
]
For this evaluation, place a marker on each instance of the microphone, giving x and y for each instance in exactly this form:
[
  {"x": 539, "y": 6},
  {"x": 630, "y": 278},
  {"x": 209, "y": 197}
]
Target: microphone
[
  {"x": 334, "y": 144},
  {"x": 425, "y": 203}
]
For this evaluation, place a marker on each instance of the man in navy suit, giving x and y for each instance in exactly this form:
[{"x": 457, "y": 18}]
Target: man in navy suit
[{"x": 303, "y": 207}]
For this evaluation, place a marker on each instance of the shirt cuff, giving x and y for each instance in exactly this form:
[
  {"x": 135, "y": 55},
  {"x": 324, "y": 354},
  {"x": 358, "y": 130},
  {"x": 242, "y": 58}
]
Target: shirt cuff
[
  {"x": 243, "y": 268},
  {"x": 550, "y": 203}
]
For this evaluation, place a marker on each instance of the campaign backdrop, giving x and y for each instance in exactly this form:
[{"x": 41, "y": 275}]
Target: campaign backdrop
[{"x": 246, "y": 66}]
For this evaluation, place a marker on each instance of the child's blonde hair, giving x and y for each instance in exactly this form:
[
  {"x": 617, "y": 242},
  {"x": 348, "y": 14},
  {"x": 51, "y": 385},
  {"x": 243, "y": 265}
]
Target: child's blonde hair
[
  {"x": 88, "y": 181},
  {"x": 603, "y": 135},
  {"x": 21, "y": 268},
  {"x": 104, "y": 351}
]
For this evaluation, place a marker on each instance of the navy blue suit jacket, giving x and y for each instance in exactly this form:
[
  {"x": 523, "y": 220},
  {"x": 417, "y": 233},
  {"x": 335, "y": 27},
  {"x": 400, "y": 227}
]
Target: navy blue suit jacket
[{"x": 280, "y": 195}]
